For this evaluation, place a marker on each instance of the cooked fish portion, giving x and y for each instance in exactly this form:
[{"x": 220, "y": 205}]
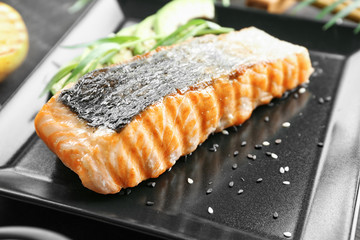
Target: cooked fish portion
[{"x": 121, "y": 125}]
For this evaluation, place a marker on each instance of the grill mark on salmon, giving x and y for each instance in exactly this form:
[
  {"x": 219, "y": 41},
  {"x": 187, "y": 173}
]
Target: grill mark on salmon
[{"x": 108, "y": 160}]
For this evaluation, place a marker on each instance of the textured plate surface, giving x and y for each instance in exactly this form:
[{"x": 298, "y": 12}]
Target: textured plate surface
[{"x": 319, "y": 202}]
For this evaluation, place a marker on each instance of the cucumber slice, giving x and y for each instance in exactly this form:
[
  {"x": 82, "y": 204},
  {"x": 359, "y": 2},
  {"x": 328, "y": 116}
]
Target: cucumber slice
[
  {"x": 179, "y": 12},
  {"x": 128, "y": 31},
  {"x": 145, "y": 30}
]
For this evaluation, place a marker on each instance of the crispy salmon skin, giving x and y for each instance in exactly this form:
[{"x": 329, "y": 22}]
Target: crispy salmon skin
[{"x": 121, "y": 125}]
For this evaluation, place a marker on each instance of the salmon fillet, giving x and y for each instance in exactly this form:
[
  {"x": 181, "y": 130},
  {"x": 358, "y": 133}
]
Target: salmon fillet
[{"x": 248, "y": 68}]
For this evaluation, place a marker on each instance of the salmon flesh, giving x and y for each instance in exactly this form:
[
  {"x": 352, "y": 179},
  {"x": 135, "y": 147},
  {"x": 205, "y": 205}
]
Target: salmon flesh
[{"x": 120, "y": 125}]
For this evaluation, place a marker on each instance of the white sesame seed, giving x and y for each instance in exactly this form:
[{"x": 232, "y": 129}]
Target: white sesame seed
[
  {"x": 286, "y": 182},
  {"x": 286, "y": 168},
  {"x": 259, "y": 180},
  {"x": 286, "y": 124},
  {"x": 225, "y": 132},
  {"x": 287, "y": 234},
  {"x": 210, "y": 210},
  {"x": 274, "y": 156},
  {"x": 266, "y": 143},
  {"x": 231, "y": 184},
  {"x": 302, "y": 90},
  {"x": 282, "y": 170},
  {"x": 190, "y": 181}
]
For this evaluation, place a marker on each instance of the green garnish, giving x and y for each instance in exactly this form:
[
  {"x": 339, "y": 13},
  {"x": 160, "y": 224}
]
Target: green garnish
[
  {"x": 340, "y": 15},
  {"x": 143, "y": 37},
  {"x": 195, "y": 27},
  {"x": 329, "y": 9},
  {"x": 177, "y": 13},
  {"x": 343, "y": 13},
  {"x": 302, "y": 5},
  {"x": 61, "y": 74},
  {"x": 357, "y": 29},
  {"x": 110, "y": 39}
]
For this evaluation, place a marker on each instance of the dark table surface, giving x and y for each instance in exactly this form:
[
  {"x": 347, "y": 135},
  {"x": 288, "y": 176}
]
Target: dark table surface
[{"x": 47, "y": 21}]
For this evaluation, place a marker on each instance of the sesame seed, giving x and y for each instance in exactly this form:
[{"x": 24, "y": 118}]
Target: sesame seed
[
  {"x": 259, "y": 180},
  {"x": 266, "y": 143},
  {"x": 296, "y": 95},
  {"x": 151, "y": 184},
  {"x": 302, "y": 90},
  {"x": 321, "y": 100},
  {"x": 215, "y": 145},
  {"x": 236, "y": 153},
  {"x": 320, "y": 144},
  {"x": 328, "y": 99},
  {"x": 209, "y": 190},
  {"x": 210, "y": 182},
  {"x": 212, "y": 149},
  {"x": 128, "y": 191},
  {"x": 210, "y": 210},
  {"x": 231, "y": 184},
  {"x": 286, "y": 124},
  {"x": 286, "y": 182},
  {"x": 278, "y": 141},
  {"x": 274, "y": 156},
  {"x": 268, "y": 153},
  {"x": 287, "y": 234},
  {"x": 242, "y": 179},
  {"x": 275, "y": 215},
  {"x": 240, "y": 191},
  {"x": 250, "y": 156},
  {"x": 149, "y": 203},
  {"x": 258, "y": 146},
  {"x": 243, "y": 143},
  {"x": 282, "y": 170},
  {"x": 266, "y": 119},
  {"x": 225, "y": 132},
  {"x": 286, "y": 168},
  {"x": 234, "y": 166},
  {"x": 190, "y": 181}
]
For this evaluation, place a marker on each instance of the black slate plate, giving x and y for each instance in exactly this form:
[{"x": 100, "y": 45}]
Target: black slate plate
[{"x": 319, "y": 203}]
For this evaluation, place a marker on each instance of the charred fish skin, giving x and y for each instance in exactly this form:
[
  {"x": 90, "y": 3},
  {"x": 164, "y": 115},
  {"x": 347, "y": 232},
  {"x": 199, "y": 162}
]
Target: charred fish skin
[
  {"x": 112, "y": 97},
  {"x": 154, "y": 139}
]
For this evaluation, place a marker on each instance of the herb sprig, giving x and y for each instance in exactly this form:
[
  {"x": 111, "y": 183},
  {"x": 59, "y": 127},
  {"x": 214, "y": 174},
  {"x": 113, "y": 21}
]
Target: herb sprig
[
  {"x": 195, "y": 27},
  {"x": 129, "y": 42},
  {"x": 344, "y": 12}
]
